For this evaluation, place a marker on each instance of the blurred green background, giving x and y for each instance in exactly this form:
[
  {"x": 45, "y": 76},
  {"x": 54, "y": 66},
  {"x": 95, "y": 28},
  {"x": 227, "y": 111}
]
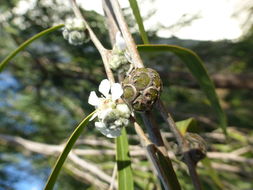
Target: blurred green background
[{"x": 44, "y": 93}]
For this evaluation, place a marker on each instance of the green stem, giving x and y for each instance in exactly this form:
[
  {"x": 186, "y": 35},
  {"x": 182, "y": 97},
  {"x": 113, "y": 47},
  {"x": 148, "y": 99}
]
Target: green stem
[
  {"x": 26, "y": 43},
  {"x": 138, "y": 18}
]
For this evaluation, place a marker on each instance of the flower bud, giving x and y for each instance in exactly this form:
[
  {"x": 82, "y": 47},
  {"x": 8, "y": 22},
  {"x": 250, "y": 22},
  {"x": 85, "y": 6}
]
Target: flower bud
[
  {"x": 74, "y": 32},
  {"x": 142, "y": 88},
  {"x": 118, "y": 60}
]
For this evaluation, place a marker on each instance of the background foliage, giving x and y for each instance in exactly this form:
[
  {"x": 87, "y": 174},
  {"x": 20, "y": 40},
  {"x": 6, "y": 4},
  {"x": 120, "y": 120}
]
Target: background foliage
[{"x": 44, "y": 93}]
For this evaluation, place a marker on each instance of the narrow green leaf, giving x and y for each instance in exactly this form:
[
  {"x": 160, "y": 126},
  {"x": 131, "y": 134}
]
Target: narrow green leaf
[
  {"x": 26, "y": 43},
  {"x": 234, "y": 134},
  {"x": 184, "y": 125},
  {"x": 212, "y": 172},
  {"x": 61, "y": 159},
  {"x": 196, "y": 67},
  {"x": 125, "y": 176},
  {"x": 138, "y": 18}
]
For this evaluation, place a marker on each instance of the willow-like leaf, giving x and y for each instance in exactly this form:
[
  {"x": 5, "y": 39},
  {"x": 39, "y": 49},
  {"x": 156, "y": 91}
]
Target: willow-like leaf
[
  {"x": 125, "y": 176},
  {"x": 61, "y": 159},
  {"x": 196, "y": 67},
  {"x": 138, "y": 18},
  {"x": 26, "y": 43},
  {"x": 185, "y": 124}
]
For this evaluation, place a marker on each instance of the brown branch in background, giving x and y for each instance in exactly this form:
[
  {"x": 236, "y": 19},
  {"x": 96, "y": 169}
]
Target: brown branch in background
[
  {"x": 48, "y": 149},
  {"x": 136, "y": 151},
  {"x": 85, "y": 176},
  {"x": 55, "y": 150},
  {"x": 92, "y": 168},
  {"x": 230, "y": 81}
]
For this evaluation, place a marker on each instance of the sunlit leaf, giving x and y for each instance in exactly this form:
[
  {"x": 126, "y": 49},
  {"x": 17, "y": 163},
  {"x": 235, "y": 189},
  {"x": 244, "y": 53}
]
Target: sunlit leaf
[
  {"x": 197, "y": 69},
  {"x": 61, "y": 159},
  {"x": 184, "y": 125},
  {"x": 125, "y": 176},
  {"x": 138, "y": 18}
]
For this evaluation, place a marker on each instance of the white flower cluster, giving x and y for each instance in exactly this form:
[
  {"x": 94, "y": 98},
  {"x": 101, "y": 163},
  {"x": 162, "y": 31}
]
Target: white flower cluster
[
  {"x": 112, "y": 116},
  {"x": 120, "y": 60},
  {"x": 74, "y": 31}
]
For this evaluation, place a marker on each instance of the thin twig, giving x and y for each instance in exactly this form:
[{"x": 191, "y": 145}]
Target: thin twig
[
  {"x": 49, "y": 149},
  {"x": 85, "y": 176},
  {"x": 153, "y": 131},
  {"x": 141, "y": 134},
  {"x": 193, "y": 171},
  {"x": 171, "y": 123},
  {"x": 183, "y": 145},
  {"x": 105, "y": 54},
  {"x": 113, "y": 26},
  {"x": 126, "y": 34},
  {"x": 91, "y": 168},
  {"x": 151, "y": 151},
  {"x": 114, "y": 173},
  {"x": 93, "y": 36}
]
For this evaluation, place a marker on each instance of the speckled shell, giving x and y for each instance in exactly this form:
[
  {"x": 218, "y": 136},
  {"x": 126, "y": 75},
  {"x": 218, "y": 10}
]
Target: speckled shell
[{"x": 142, "y": 88}]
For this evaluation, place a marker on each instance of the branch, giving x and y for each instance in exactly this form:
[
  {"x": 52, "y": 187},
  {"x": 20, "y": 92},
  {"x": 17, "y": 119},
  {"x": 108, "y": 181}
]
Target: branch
[
  {"x": 126, "y": 34},
  {"x": 105, "y": 54},
  {"x": 84, "y": 176},
  {"x": 183, "y": 145},
  {"x": 54, "y": 150},
  {"x": 47, "y": 149},
  {"x": 90, "y": 167},
  {"x": 113, "y": 26}
]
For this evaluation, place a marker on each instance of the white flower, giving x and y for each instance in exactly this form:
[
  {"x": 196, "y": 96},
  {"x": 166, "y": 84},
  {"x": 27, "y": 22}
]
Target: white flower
[
  {"x": 121, "y": 60},
  {"x": 105, "y": 87},
  {"x": 74, "y": 31},
  {"x": 120, "y": 42},
  {"x": 74, "y": 24},
  {"x": 111, "y": 115},
  {"x": 76, "y": 37},
  {"x": 118, "y": 59}
]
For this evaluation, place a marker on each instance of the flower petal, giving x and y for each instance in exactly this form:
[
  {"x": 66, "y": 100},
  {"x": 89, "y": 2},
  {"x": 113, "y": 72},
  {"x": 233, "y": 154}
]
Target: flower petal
[
  {"x": 100, "y": 125},
  {"x": 103, "y": 114},
  {"x": 104, "y": 87},
  {"x": 120, "y": 42},
  {"x": 93, "y": 99},
  {"x": 116, "y": 91}
]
